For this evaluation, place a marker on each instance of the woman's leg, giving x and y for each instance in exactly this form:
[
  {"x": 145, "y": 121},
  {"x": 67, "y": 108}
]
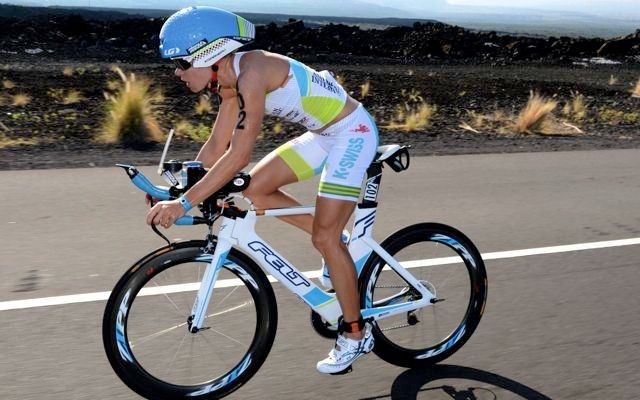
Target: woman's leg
[
  {"x": 294, "y": 161},
  {"x": 267, "y": 177},
  {"x": 331, "y": 217},
  {"x": 352, "y": 149}
]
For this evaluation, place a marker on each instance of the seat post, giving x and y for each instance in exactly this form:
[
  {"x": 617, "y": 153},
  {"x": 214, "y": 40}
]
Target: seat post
[{"x": 374, "y": 176}]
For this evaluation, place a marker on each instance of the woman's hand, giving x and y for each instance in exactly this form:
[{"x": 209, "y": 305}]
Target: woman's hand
[
  {"x": 151, "y": 201},
  {"x": 165, "y": 213}
]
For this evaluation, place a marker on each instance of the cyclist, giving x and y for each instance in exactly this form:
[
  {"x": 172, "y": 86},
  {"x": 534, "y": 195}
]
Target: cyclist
[{"x": 340, "y": 143}]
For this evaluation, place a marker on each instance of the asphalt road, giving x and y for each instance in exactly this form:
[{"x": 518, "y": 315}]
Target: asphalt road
[{"x": 561, "y": 325}]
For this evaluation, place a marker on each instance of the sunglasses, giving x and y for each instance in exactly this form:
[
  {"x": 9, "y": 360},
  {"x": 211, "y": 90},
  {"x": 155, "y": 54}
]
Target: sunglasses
[{"x": 181, "y": 63}]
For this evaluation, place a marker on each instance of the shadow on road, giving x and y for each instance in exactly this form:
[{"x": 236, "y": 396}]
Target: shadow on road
[{"x": 411, "y": 382}]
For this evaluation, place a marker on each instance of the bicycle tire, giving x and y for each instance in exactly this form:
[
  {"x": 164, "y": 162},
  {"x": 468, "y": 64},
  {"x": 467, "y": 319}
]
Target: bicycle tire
[
  {"x": 121, "y": 306},
  {"x": 447, "y": 240}
]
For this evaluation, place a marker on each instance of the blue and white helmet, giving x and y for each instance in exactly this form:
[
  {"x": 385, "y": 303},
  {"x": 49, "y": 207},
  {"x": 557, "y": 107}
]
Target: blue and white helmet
[{"x": 203, "y": 35}]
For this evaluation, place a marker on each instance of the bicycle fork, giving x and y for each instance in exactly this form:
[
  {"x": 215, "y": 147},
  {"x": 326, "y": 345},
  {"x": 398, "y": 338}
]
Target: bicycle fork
[{"x": 199, "y": 309}]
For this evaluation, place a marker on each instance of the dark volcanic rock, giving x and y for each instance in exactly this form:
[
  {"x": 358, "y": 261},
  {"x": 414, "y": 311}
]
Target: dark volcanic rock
[
  {"x": 136, "y": 40},
  {"x": 620, "y": 47}
]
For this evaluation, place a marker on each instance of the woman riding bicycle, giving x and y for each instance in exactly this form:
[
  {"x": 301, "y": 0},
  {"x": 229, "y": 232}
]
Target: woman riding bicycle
[{"x": 340, "y": 143}]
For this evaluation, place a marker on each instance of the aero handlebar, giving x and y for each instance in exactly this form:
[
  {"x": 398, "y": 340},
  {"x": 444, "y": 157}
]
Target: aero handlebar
[{"x": 157, "y": 192}]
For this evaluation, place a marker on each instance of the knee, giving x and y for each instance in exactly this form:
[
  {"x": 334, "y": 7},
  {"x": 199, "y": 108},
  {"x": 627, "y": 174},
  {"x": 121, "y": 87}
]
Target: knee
[
  {"x": 257, "y": 192},
  {"x": 323, "y": 240}
]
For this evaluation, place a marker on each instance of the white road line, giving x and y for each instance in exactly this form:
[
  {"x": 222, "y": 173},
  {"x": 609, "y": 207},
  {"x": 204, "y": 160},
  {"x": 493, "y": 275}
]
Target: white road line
[{"x": 101, "y": 296}]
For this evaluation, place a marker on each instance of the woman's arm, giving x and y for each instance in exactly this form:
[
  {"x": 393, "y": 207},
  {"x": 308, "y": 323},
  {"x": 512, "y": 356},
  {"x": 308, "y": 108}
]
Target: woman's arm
[
  {"x": 222, "y": 130},
  {"x": 249, "y": 112}
]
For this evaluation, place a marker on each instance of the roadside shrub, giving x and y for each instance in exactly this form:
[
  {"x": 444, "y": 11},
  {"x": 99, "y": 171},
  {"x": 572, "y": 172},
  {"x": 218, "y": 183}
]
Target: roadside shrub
[
  {"x": 575, "y": 109},
  {"x": 497, "y": 122},
  {"x": 412, "y": 96},
  {"x": 130, "y": 119},
  {"x": 364, "y": 89},
  {"x": 411, "y": 118},
  {"x": 7, "y": 84},
  {"x": 20, "y": 100},
  {"x": 6, "y": 141},
  {"x": 618, "y": 117},
  {"x": 113, "y": 85},
  {"x": 71, "y": 96},
  {"x": 636, "y": 90},
  {"x": 203, "y": 106},
  {"x": 277, "y": 128},
  {"x": 534, "y": 117},
  {"x": 198, "y": 133}
]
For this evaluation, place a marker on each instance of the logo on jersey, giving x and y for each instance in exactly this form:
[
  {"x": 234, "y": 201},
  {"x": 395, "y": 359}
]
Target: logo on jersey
[{"x": 362, "y": 128}]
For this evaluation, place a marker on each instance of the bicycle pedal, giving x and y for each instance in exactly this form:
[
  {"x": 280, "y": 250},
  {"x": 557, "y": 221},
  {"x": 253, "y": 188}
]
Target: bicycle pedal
[{"x": 344, "y": 371}]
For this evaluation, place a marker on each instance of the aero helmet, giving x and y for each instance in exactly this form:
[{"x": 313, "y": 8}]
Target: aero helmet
[{"x": 203, "y": 35}]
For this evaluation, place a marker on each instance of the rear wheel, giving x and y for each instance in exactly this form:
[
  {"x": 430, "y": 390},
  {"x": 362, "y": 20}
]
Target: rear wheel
[
  {"x": 451, "y": 268},
  {"x": 146, "y": 325}
]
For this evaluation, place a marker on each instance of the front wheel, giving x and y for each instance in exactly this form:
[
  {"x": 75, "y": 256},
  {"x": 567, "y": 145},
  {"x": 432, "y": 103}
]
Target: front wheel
[
  {"x": 146, "y": 325},
  {"x": 447, "y": 263}
]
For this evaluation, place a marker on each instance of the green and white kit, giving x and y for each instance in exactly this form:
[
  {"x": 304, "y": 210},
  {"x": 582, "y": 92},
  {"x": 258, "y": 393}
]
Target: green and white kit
[{"x": 343, "y": 151}]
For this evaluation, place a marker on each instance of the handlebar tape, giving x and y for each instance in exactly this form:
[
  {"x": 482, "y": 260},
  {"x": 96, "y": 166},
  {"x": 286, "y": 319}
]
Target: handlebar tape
[
  {"x": 158, "y": 192},
  {"x": 185, "y": 220}
]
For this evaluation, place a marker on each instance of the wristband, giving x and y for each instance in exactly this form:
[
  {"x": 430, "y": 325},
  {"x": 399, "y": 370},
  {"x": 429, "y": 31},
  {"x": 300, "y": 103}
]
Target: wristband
[{"x": 185, "y": 203}]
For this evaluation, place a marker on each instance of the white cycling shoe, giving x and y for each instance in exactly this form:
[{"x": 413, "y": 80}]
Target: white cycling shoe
[
  {"x": 345, "y": 352},
  {"x": 324, "y": 278}
]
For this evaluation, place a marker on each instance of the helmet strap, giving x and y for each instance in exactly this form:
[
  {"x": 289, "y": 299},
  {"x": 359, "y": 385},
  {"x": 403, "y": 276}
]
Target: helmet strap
[{"x": 213, "y": 83}]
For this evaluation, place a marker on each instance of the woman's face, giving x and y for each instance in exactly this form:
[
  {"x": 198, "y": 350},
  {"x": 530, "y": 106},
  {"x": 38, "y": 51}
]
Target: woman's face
[{"x": 196, "y": 78}]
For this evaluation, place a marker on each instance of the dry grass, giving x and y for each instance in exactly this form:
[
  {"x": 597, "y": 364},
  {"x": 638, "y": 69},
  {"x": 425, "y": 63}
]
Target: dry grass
[
  {"x": 412, "y": 96},
  {"x": 534, "y": 117},
  {"x": 198, "y": 133},
  {"x": 20, "y": 100},
  {"x": 56, "y": 94},
  {"x": 413, "y": 118},
  {"x": 113, "y": 85},
  {"x": 6, "y": 141},
  {"x": 635, "y": 92},
  {"x": 575, "y": 109},
  {"x": 130, "y": 118},
  {"x": 277, "y": 128},
  {"x": 73, "y": 96},
  {"x": 67, "y": 71},
  {"x": 496, "y": 122},
  {"x": 613, "y": 80},
  {"x": 203, "y": 106},
  {"x": 365, "y": 88},
  {"x": 7, "y": 84}
]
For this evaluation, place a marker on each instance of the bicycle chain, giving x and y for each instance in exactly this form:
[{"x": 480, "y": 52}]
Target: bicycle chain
[
  {"x": 395, "y": 327},
  {"x": 392, "y": 286}
]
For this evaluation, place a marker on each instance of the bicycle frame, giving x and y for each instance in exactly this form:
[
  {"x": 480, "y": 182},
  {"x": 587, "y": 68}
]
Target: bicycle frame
[{"x": 239, "y": 232}]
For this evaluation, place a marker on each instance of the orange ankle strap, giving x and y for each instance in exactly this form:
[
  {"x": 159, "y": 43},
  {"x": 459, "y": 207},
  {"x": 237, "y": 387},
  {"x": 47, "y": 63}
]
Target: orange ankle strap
[{"x": 351, "y": 327}]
